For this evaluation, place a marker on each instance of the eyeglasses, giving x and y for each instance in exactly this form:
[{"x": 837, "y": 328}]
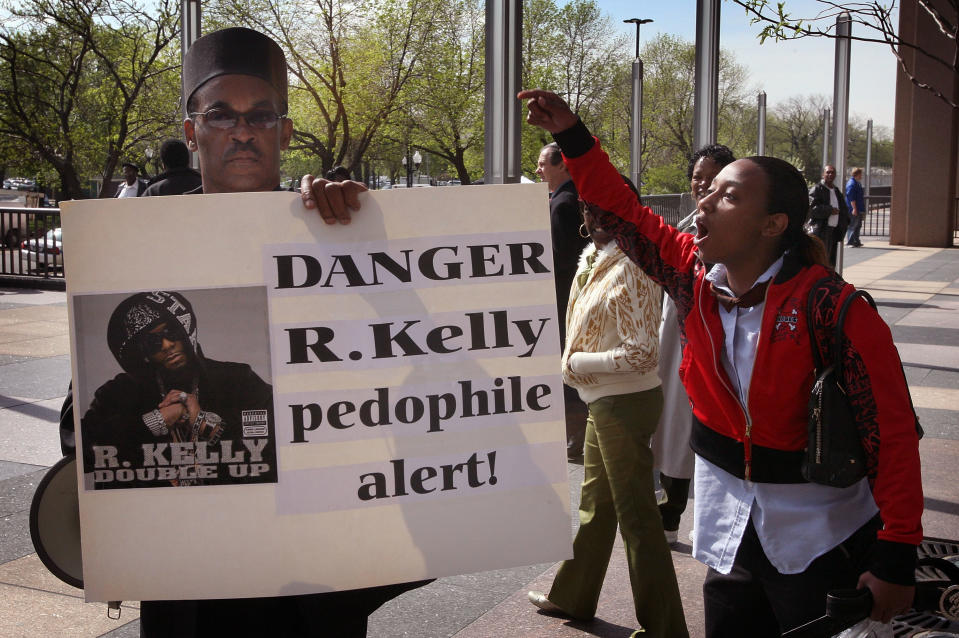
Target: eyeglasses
[
  {"x": 152, "y": 342},
  {"x": 222, "y": 118}
]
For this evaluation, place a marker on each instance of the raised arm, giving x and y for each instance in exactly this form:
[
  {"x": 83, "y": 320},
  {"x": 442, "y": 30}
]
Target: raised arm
[{"x": 666, "y": 255}]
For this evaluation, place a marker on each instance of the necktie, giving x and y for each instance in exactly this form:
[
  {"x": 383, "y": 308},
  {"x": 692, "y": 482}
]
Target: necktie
[{"x": 753, "y": 296}]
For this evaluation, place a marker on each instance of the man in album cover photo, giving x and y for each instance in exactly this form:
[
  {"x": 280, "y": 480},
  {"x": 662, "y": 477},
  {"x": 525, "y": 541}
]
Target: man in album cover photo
[{"x": 174, "y": 417}]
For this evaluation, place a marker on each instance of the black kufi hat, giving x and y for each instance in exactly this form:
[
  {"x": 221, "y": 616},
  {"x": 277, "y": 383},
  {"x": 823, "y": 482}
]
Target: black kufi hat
[{"x": 239, "y": 51}]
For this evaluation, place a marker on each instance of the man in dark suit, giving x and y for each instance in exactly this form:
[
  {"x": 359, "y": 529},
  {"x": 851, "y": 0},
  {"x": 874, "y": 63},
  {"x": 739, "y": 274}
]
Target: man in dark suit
[
  {"x": 177, "y": 177},
  {"x": 568, "y": 243},
  {"x": 828, "y": 214}
]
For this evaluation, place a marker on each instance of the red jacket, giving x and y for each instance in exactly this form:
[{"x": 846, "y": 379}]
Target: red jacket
[{"x": 764, "y": 440}]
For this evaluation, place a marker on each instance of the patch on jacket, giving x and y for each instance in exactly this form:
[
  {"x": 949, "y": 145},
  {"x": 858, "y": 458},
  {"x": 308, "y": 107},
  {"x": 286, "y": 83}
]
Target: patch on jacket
[{"x": 787, "y": 321}]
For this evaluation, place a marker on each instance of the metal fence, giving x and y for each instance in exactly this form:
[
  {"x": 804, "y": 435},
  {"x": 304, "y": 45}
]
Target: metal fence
[
  {"x": 955, "y": 224},
  {"x": 29, "y": 250},
  {"x": 876, "y": 221},
  {"x": 672, "y": 208}
]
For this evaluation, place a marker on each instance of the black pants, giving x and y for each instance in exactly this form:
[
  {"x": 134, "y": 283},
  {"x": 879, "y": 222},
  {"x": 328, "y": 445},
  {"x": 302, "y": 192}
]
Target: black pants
[
  {"x": 755, "y": 600},
  {"x": 340, "y": 614},
  {"x": 576, "y": 412},
  {"x": 677, "y": 494},
  {"x": 830, "y": 237}
]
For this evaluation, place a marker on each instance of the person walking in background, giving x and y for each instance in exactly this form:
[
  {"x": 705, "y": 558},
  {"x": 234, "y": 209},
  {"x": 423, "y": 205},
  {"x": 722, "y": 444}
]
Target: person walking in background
[
  {"x": 177, "y": 176},
  {"x": 611, "y": 358},
  {"x": 673, "y": 456},
  {"x": 774, "y": 543},
  {"x": 856, "y": 203},
  {"x": 568, "y": 243},
  {"x": 132, "y": 185},
  {"x": 828, "y": 213}
]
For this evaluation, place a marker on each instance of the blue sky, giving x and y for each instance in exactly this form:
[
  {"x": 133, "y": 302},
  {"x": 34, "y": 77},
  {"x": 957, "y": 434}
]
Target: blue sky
[{"x": 782, "y": 69}]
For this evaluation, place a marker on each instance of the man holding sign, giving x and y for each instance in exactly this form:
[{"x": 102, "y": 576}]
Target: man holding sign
[{"x": 235, "y": 81}]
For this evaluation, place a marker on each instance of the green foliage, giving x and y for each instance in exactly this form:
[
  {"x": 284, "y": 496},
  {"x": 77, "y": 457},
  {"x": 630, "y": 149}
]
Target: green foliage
[
  {"x": 442, "y": 112},
  {"x": 349, "y": 61},
  {"x": 666, "y": 177},
  {"x": 668, "y": 92},
  {"x": 573, "y": 50},
  {"x": 86, "y": 85}
]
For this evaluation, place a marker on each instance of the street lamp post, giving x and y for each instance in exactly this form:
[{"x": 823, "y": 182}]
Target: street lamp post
[
  {"x": 761, "y": 117},
  {"x": 840, "y": 108},
  {"x": 867, "y": 178},
  {"x": 411, "y": 164},
  {"x": 636, "y": 137},
  {"x": 825, "y": 139},
  {"x": 148, "y": 151}
]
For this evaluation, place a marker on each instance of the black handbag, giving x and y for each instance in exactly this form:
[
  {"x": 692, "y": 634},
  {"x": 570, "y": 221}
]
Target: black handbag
[{"x": 834, "y": 455}]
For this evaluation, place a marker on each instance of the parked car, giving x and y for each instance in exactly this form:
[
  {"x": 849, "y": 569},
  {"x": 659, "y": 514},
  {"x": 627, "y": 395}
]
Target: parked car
[
  {"x": 20, "y": 184},
  {"x": 43, "y": 253}
]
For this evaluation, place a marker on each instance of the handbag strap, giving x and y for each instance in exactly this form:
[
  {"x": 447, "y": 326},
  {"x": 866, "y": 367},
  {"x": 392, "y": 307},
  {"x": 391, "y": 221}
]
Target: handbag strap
[
  {"x": 810, "y": 300},
  {"x": 835, "y": 347},
  {"x": 837, "y": 334}
]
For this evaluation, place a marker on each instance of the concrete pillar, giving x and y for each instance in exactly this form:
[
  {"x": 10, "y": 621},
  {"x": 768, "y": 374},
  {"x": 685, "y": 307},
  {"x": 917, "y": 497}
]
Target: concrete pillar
[{"x": 925, "y": 172}]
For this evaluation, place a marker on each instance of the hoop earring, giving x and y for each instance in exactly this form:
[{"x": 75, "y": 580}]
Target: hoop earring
[{"x": 583, "y": 232}]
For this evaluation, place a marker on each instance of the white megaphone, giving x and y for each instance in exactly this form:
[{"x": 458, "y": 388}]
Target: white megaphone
[{"x": 55, "y": 522}]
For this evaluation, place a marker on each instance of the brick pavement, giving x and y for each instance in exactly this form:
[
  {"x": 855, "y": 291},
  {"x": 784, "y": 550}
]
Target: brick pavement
[{"x": 918, "y": 293}]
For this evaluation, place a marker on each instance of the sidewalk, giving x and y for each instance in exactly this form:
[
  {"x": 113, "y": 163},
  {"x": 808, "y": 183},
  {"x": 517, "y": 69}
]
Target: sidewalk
[{"x": 917, "y": 290}]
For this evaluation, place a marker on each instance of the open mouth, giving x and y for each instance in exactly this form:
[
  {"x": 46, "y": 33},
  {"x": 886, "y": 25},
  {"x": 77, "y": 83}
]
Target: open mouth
[{"x": 701, "y": 230}]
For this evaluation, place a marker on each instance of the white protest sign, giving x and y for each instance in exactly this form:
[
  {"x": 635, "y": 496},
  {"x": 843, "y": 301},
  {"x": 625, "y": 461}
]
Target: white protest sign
[{"x": 352, "y": 405}]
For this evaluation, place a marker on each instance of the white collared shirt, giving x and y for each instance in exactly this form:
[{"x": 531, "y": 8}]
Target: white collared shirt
[
  {"x": 129, "y": 190},
  {"x": 834, "y": 202},
  {"x": 796, "y": 523}
]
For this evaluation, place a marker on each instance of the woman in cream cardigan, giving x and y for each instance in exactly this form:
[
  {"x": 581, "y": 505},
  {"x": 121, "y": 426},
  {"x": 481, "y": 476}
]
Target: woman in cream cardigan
[{"x": 612, "y": 349}]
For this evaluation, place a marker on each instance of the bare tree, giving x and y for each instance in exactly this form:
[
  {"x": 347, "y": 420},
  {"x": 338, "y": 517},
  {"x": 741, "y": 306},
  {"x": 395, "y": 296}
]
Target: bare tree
[
  {"x": 75, "y": 78},
  {"x": 444, "y": 103},
  {"x": 876, "y": 19},
  {"x": 350, "y": 61},
  {"x": 795, "y": 133}
]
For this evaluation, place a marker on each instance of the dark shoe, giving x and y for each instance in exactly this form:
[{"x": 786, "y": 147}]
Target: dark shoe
[
  {"x": 574, "y": 447},
  {"x": 540, "y": 600}
]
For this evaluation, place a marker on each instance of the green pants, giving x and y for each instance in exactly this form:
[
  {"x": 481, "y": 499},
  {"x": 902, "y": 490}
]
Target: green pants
[{"x": 618, "y": 488}]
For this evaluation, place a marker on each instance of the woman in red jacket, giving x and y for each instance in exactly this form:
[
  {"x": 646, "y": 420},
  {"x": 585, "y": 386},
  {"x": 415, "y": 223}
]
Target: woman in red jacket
[{"x": 774, "y": 543}]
